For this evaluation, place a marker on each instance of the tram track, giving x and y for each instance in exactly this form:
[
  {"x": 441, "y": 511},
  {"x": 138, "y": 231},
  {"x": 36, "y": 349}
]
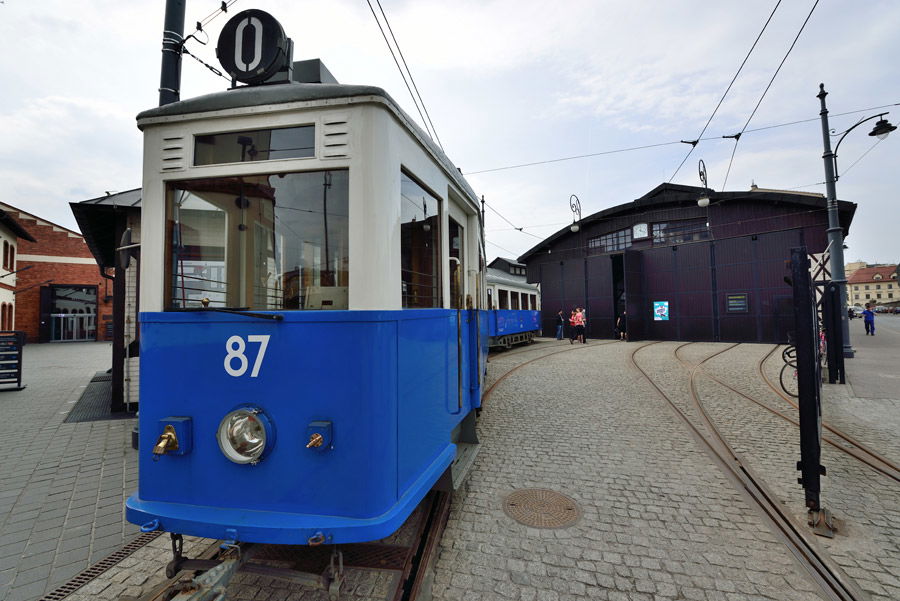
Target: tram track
[
  {"x": 857, "y": 450},
  {"x": 831, "y": 580},
  {"x": 489, "y": 391}
]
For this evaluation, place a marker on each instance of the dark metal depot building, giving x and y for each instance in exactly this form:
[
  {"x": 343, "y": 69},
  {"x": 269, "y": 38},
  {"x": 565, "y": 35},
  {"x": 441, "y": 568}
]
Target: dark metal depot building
[{"x": 684, "y": 271}]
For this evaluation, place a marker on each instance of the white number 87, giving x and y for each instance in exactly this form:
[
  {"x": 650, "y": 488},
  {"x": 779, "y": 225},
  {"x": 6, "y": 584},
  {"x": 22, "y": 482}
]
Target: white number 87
[{"x": 234, "y": 349}]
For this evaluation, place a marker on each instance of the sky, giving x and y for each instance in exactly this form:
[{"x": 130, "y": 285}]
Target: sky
[{"x": 506, "y": 83}]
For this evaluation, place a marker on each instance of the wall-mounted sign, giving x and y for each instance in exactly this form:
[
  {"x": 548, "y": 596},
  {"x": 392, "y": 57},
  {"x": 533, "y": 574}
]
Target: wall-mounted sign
[
  {"x": 737, "y": 302},
  {"x": 660, "y": 310}
]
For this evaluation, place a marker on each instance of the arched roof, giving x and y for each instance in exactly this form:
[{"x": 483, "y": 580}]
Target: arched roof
[{"x": 667, "y": 195}]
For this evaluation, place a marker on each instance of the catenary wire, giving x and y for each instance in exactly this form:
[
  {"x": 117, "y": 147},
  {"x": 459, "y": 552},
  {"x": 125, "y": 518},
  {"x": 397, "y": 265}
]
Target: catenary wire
[
  {"x": 520, "y": 229},
  {"x": 595, "y": 154},
  {"x": 728, "y": 89},
  {"x": 402, "y": 75},
  {"x": 737, "y": 137},
  {"x": 413, "y": 81}
]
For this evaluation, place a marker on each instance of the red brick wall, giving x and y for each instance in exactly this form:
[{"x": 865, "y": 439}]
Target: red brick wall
[{"x": 54, "y": 245}]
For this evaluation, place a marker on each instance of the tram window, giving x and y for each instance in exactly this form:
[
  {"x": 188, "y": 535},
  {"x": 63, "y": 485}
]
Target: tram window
[
  {"x": 256, "y": 145},
  {"x": 514, "y": 298},
  {"x": 419, "y": 246},
  {"x": 533, "y": 302},
  {"x": 263, "y": 242},
  {"x": 457, "y": 266},
  {"x": 504, "y": 299}
]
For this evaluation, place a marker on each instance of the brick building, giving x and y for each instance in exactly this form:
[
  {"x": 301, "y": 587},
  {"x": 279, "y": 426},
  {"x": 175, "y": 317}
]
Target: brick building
[
  {"x": 11, "y": 232},
  {"x": 61, "y": 295}
]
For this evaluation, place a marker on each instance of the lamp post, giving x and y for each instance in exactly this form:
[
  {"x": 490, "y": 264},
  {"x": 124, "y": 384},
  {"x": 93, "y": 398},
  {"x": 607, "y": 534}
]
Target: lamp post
[
  {"x": 575, "y": 205},
  {"x": 703, "y": 201},
  {"x": 835, "y": 232}
]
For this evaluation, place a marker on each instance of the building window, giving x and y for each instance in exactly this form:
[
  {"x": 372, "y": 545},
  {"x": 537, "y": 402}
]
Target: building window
[
  {"x": 867, "y": 287},
  {"x": 878, "y": 295},
  {"x": 877, "y": 286},
  {"x": 12, "y": 257},
  {"x": 611, "y": 242},
  {"x": 890, "y": 295},
  {"x": 5, "y": 255},
  {"x": 419, "y": 246},
  {"x": 676, "y": 232},
  {"x": 877, "y": 276},
  {"x": 856, "y": 296}
]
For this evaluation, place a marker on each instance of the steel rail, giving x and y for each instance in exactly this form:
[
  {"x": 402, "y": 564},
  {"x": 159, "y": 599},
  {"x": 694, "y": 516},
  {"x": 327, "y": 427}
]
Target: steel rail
[
  {"x": 887, "y": 467},
  {"x": 490, "y": 390},
  {"x": 860, "y": 453},
  {"x": 831, "y": 583}
]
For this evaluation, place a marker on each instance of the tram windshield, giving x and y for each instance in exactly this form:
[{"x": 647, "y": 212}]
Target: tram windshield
[{"x": 275, "y": 241}]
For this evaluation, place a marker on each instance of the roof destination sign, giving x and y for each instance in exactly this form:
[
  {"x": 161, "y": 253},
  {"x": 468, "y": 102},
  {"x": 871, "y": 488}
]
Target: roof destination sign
[{"x": 252, "y": 47}]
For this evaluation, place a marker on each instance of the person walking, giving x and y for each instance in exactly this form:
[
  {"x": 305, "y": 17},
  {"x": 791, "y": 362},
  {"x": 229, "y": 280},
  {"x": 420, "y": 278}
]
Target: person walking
[
  {"x": 622, "y": 325},
  {"x": 560, "y": 324},
  {"x": 869, "y": 320},
  {"x": 572, "y": 329}
]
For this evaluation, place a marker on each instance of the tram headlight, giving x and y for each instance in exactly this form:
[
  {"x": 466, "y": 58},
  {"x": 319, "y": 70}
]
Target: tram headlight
[{"x": 243, "y": 435}]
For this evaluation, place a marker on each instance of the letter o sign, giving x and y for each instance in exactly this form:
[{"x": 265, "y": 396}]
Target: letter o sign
[{"x": 251, "y": 45}]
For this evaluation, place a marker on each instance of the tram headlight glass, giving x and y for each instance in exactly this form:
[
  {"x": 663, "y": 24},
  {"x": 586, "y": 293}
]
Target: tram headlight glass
[{"x": 243, "y": 435}]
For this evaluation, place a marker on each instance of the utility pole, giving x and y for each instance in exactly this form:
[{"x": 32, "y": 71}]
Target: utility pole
[{"x": 173, "y": 37}]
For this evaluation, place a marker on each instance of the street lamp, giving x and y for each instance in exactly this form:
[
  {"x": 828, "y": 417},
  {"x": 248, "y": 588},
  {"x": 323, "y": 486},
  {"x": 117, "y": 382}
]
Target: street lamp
[
  {"x": 703, "y": 201},
  {"x": 575, "y": 205},
  {"x": 835, "y": 233}
]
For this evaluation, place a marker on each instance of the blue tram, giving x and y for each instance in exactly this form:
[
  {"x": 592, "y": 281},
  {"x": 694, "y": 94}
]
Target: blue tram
[{"x": 313, "y": 327}]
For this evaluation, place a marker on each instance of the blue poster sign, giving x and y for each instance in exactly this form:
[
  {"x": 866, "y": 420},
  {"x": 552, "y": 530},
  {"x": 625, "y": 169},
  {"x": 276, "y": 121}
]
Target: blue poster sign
[{"x": 661, "y": 311}]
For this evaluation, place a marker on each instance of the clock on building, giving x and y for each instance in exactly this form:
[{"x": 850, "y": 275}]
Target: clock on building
[{"x": 639, "y": 230}]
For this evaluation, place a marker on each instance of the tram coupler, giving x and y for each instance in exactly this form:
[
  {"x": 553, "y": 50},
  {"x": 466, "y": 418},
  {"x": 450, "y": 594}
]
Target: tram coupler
[
  {"x": 335, "y": 574},
  {"x": 181, "y": 563},
  {"x": 823, "y": 522}
]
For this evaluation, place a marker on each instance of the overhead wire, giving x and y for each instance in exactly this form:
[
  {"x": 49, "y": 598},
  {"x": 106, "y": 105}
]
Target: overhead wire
[
  {"x": 514, "y": 226},
  {"x": 619, "y": 150},
  {"x": 413, "y": 81},
  {"x": 737, "y": 137},
  {"x": 728, "y": 89},
  {"x": 402, "y": 75}
]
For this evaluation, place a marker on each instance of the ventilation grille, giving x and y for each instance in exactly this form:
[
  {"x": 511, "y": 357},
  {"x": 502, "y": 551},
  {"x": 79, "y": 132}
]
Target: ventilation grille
[
  {"x": 173, "y": 154},
  {"x": 98, "y": 568},
  {"x": 336, "y": 137}
]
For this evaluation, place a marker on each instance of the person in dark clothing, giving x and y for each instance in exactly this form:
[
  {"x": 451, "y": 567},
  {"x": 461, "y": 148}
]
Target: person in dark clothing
[
  {"x": 560, "y": 324},
  {"x": 622, "y": 325},
  {"x": 869, "y": 319}
]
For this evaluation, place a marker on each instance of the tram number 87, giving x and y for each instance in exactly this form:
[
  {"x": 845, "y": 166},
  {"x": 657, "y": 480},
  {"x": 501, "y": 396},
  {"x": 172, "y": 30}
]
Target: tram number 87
[{"x": 234, "y": 352}]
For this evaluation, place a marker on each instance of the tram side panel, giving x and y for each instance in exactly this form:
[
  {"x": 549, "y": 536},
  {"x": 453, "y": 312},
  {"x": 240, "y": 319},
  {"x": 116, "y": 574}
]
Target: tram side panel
[
  {"x": 510, "y": 326},
  {"x": 384, "y": 382}
]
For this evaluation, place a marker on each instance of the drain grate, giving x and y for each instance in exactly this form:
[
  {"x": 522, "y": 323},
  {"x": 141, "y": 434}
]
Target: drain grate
[
  {"x": 98, "y": 568},
  {"x": 541, "y": 508}
]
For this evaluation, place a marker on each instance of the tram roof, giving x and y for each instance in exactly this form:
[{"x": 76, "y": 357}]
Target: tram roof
[{"x": 254, "y": 96}]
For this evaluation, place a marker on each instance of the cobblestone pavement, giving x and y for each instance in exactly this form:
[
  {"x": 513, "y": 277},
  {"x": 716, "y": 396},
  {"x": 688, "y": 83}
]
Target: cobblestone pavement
[
  {"x": 62, "y": 485},
  {"x": 660, "y": 521}
]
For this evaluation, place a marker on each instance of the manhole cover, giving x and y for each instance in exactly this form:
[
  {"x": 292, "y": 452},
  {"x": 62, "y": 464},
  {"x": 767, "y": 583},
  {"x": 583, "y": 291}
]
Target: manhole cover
[{"x": 541, "y": 508}]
